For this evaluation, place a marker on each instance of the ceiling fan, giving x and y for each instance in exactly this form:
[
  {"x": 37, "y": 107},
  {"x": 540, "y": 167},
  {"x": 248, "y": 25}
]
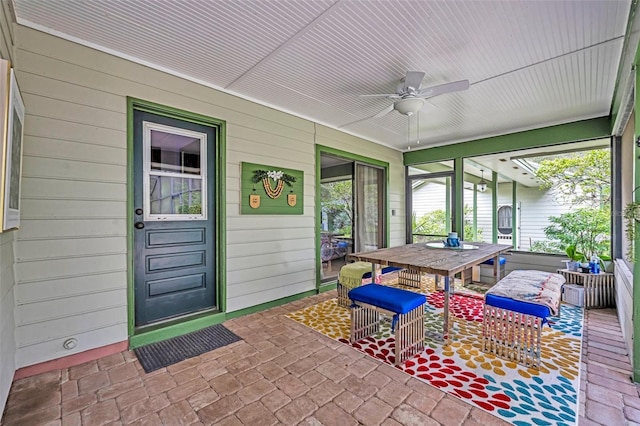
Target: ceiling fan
[{"x": 411, "y": 97}]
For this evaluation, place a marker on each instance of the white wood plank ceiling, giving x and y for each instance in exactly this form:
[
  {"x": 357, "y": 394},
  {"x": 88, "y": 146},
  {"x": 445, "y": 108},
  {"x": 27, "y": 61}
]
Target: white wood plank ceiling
[{"x": 530, "y": 64}]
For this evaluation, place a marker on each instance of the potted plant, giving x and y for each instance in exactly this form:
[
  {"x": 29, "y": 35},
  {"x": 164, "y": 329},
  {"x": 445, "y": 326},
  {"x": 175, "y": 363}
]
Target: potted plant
[
  {"x": 575, "y": 258},
  {"x": 631, "y": 215}
]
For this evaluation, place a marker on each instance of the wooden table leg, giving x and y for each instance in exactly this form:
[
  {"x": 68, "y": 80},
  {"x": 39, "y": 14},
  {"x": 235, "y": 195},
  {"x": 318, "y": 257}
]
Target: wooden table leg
[{"x": 447, "y": 291}]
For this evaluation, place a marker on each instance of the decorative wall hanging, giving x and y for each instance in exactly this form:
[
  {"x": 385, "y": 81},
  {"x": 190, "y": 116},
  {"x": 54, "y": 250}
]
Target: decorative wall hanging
[
  {"x": 271, "y": 190},
  {"x": 277, "y": 176}
]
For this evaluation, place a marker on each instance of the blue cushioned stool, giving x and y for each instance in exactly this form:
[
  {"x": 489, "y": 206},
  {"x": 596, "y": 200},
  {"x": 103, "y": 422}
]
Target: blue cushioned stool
[{"x": 406, "y": 308}]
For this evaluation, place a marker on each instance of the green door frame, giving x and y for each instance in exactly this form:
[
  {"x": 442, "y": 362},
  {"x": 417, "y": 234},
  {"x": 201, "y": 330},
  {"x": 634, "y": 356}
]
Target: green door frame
[
  {"x": 321, "y": 149},
  {"x": 195, "y": 322}
]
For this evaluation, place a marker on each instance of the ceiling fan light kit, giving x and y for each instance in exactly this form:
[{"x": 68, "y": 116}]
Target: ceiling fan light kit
[{"x": 409, "y": 106}]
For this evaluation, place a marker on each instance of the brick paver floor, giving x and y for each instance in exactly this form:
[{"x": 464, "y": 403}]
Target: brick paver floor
[{"x": 285, "y": 373}]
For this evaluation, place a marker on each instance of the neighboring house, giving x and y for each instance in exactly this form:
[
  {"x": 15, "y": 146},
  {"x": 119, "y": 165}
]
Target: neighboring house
[{"x": 532, "y": 211}]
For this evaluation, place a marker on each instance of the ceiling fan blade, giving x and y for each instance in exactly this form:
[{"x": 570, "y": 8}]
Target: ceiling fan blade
[
  {"x": 382, "y": 95},
  {"x": 432, "y": 91},
  {"x": 413, "y": 80},
  {"x": 384, "y": 112}
]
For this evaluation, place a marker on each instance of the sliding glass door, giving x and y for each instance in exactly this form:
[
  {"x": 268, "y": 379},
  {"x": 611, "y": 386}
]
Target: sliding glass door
[
  {"x": 352, "y": 214},
  {"x": 369, "y": 192}
]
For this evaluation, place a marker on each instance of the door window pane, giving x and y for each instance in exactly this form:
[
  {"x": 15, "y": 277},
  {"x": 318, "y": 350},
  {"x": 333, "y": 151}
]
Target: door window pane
[
  {"x": 175, "y": 195},
  {"x": 175, "y": 153},
  {"x": 175, "y": 173}
]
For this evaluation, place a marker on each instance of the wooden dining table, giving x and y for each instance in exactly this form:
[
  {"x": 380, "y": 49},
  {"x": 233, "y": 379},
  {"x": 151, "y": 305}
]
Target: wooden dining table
[{"x": 434, "y": 258}]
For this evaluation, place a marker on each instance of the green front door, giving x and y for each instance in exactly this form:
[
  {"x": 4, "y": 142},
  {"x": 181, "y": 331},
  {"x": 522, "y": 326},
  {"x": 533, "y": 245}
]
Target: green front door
[{"x": 174, "y": 232}]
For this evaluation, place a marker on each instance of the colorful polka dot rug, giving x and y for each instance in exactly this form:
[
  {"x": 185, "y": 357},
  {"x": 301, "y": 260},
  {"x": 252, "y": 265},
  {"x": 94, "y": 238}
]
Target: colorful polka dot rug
[{"x": 522, "y": 396}]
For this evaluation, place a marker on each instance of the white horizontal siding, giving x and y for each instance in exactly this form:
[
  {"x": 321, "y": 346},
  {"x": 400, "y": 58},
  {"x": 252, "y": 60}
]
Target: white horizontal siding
[
  {"x": 66, "y": 131},
  {"x": 65, "y": 189},
  {"x": 8, "y": 344},
  {"x": 45, "y": 269},
  {"x": 46, "y": 168},
  {"x": 624, "y": 302},
  {"x": 47, "y": 310},
  {"x": 520, "y": 260},
  {"x": 72, "y": 209},
  {"x": 55, "y": 228},
  {"x": 257, "y": 248},
  {"x": 540, "y": 262},
  {"x": 428, "y": 198},
  {"x": 65, "y": 287},
  {"x": 7, "y": 315},
  {"x": 37, "y": 250},
  {"x": 7, "y": 281},
  {"x": 105, "y": 335},
  {"x": 536, "y": 207},
  {"x": 272, "y": 276},
  {"x": 61, "y": 327},
  {"x": 37, "y": 146},
  {"x": 484, "y": 213},
  {"x": 280, "y": 256},
  {"x": 71, "y": 247}
]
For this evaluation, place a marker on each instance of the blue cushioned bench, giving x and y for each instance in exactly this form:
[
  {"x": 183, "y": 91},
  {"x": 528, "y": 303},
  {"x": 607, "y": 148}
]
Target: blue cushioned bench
[
  {"x": 515, "y": 310},
  {"x": 406, "y": 308}
]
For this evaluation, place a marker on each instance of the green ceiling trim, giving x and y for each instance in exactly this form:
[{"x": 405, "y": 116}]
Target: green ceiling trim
[{"x": 555, "y": 135}]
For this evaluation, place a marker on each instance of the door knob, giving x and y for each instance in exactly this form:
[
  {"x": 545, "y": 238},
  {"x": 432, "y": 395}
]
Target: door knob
[
  {"x": 139, "y": 225},
  {"x": 138, "y": 211}
]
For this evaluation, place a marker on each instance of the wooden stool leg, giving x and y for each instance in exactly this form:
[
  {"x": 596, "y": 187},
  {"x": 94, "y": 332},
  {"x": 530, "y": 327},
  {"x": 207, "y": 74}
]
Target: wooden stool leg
[{"x": 409, "y": 334}]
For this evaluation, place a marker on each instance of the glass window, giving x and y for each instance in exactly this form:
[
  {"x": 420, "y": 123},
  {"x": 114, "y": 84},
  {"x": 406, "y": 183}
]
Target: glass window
[
  {"x": 175, "y": 195},
  {"x": 431, "y": 208},
  {"x": 504, "y": 220},
  {"x": 175, "y": 173},
  {"x": 175, "y": 153}
]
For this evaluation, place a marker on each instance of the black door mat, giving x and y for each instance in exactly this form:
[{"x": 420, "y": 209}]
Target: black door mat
[{"x": 162, "y": 354}]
